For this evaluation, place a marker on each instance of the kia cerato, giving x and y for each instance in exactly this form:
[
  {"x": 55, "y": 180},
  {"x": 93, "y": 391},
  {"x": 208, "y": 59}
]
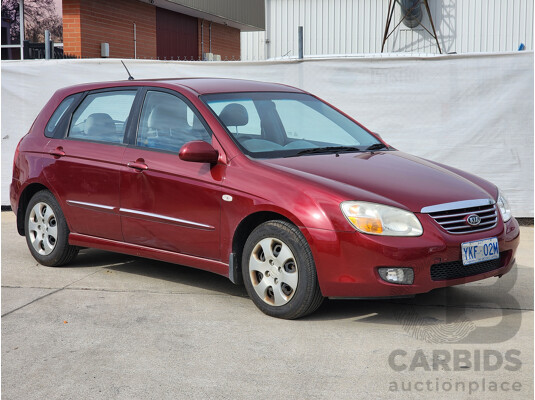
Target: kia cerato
[{"x": 263, "y": 183}]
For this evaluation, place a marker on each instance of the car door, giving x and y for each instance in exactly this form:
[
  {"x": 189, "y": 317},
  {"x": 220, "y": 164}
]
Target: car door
[
  {"x": 85, "y": 171},
  {"x": 168, "y": 203}
]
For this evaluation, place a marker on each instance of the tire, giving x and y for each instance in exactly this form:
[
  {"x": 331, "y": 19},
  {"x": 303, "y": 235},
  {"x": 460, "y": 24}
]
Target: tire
[
  {"x": 279, "y": 271},
  {"x": 47, "y": 232}
]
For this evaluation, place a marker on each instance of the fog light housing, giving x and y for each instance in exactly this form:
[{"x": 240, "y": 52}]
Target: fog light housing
[{"x": 399, "y": 275}]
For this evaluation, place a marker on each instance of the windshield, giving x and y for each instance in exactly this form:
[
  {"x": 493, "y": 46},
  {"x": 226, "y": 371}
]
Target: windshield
[{"x": 279, "y": 124}]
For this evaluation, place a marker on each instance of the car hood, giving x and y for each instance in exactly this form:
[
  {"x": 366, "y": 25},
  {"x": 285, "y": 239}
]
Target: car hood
[{"x": 405, "y": 180}]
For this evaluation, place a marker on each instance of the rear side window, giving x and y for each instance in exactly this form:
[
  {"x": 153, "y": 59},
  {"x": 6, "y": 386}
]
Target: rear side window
[
  {"x": 56, "y": 117},
  {"x": 102, "y": 116}
]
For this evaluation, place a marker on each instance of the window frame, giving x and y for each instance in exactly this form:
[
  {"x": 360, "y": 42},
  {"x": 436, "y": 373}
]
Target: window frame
[
  {"x": 128, "y": 120},
  {"x": 131, "y": 138}
]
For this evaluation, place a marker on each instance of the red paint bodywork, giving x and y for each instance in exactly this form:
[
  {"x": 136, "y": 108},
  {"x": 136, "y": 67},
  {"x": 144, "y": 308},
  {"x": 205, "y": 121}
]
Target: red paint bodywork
[{"x": 305, "y": 190}]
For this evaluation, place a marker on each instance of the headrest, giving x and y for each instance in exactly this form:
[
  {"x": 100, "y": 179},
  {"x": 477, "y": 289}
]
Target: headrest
[
  {"x": 167, "y": 116},
  {"x": 234, "y": 114},
  {"x": 98, "y": 124}
]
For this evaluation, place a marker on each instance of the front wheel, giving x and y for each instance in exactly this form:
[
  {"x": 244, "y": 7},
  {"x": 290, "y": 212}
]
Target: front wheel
[
  {"x": 279, "y": 271},
  {"x": 47, "y": 231}
]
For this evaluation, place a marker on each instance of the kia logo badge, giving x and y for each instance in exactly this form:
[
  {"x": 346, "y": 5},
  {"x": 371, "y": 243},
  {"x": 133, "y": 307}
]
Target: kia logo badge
[{"x": 473, "y": 220}]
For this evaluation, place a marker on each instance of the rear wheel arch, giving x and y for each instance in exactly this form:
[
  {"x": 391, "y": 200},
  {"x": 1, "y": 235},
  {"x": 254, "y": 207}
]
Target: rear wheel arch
[
  {"x": 47, "y": 233},
  {"x": 24, "y": 199}
]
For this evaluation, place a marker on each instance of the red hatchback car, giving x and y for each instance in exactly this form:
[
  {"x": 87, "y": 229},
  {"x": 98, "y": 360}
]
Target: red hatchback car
[{"x": 260, "y": 182}]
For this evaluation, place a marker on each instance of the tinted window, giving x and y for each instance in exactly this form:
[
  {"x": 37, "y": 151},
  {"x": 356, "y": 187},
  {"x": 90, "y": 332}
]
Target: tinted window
[
  {"x": 56, "y": 117},
  {"x": 102, "y": 116},
  {"x": 167, "y": 123}
]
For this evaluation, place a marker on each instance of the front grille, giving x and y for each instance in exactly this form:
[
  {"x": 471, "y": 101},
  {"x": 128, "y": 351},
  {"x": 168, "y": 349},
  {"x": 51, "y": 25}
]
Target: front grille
[
  {"x": 454, "y": 221},
  {"x": 456, "y": 269}
]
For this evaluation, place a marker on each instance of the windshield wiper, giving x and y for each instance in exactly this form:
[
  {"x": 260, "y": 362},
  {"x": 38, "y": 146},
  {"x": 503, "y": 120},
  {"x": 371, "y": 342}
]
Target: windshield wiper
[
  {"x": 329, "y": 149},
  {"x": 377, "y": 146}
]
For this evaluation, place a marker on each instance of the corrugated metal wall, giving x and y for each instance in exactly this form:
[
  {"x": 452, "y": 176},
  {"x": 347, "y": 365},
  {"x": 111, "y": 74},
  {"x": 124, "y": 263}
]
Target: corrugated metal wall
[{"x": 357, "y": 26}]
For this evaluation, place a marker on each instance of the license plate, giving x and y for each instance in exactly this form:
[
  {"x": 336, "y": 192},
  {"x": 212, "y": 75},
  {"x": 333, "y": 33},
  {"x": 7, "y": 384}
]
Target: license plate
[{"x": 480, "y": 250}]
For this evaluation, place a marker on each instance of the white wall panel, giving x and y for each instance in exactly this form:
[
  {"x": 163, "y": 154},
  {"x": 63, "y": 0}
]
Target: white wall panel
[
  {"x": 473, "y": 112},
  {"x": 357, "y": 27}
]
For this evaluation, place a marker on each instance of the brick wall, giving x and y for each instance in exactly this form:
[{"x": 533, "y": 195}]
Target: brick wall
[
  {"x": 87, "y": 23},
  {"x": 71, "y": 28},
  {"x": 225, "y": 40}
]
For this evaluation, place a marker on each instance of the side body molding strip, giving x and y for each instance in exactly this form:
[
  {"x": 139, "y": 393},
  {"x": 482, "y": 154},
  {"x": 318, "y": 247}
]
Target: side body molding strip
[
  {"x": 164, "y": 218},
  {"x": 140, "y": 214}
]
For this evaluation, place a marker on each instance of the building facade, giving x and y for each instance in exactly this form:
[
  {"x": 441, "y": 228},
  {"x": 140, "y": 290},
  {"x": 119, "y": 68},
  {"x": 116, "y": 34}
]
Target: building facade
[
  {"x": 343, "y": 27},
  {"x": 159, "y": 29}
]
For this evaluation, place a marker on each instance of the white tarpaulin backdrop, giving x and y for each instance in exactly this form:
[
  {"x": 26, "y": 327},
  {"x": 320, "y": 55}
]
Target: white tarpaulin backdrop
[{"x": 471, "y": 112}]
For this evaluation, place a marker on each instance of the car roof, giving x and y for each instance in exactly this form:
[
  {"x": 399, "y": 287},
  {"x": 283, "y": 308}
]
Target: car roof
[
  {"x": 199, "y": 85},
  {"x": 224, "y": 85}
]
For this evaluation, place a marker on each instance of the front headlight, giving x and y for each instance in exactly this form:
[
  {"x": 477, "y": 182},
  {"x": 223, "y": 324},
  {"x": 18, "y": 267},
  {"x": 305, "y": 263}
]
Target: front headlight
[
  {"x": 378, "y": 219},
  {"x": 504, "y": 207}
]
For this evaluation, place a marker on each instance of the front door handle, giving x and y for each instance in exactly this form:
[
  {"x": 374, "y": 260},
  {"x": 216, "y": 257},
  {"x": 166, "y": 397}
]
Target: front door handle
[
  {"x": 140, "y": 166},
  {"x": 58, "y": 152}
]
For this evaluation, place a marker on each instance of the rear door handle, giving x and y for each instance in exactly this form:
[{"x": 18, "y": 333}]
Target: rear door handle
[
  {"x": 138, "y": 165},
  {"x": 58, "y": 152}
]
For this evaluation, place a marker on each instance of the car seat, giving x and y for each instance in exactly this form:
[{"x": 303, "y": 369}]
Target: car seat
[{"x": 100, "y": 126}]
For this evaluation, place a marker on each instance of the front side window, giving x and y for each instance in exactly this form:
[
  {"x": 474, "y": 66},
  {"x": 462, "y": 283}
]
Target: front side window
[
  {"x": 102, "y": 116},
  {"x": 167, "y": 123},
  {"x": 279, "y": 124}
]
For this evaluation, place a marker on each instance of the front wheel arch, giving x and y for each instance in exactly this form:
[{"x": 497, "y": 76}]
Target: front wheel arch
[
  {"x": 304, "y": 295},
  {"x": 242, "y": 232}
]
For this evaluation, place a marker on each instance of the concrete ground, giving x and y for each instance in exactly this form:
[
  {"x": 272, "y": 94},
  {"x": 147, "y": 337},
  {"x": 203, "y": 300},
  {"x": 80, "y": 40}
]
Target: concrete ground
[{"x": 112, "y": 326}]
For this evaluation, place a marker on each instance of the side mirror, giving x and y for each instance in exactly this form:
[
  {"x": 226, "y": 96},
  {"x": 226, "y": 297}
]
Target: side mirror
[{"x": 199, "y": 151}]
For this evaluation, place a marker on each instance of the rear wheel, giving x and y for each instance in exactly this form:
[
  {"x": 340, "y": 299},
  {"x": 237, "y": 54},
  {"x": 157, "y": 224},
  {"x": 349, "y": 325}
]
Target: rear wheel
[
  {"x": 47, "y": 231},
  {"x": 279, "y": 272}
]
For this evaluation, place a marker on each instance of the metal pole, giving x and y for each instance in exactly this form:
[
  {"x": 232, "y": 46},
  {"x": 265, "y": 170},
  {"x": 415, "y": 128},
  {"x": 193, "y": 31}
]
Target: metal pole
[
  {"x": 21, "y": 28},
  {"x": 432, "y": 25},
  {"x": 47, "y": 45},
  {"x": 267, "y": 49},
  {"x": 135, "y": 42},
  {"x": 210, "y": 35},
  {"x": 300, "y": 39},
  {"x": 389, "y": 14}
]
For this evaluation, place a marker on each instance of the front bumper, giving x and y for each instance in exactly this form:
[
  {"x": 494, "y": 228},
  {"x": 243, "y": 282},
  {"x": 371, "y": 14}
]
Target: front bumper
[{"x": 347, "y": 262}]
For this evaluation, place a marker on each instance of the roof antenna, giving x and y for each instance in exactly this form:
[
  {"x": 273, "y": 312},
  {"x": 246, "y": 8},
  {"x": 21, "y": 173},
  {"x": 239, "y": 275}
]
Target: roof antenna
[{"x": 130, "y": 77}]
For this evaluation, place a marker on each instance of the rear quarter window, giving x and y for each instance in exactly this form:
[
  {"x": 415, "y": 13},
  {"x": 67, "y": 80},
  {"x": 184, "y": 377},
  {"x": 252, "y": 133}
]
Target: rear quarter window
[{"x": 53, "y": 123}]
